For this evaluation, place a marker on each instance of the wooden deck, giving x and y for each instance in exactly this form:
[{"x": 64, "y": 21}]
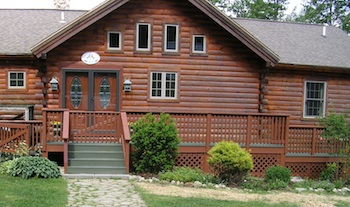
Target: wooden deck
[{"x": 269, "y": 137}]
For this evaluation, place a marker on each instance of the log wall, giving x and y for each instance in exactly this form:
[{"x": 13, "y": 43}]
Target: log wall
[
  {"x": 226, "y": 79},
  {"x": 30, "y": 96},
  {"x": 286, "y": 93}
]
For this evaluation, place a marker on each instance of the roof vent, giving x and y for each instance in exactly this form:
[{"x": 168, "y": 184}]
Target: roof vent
[
  {"x": 62, "y": 18},
  {"x": 324, "y": 32}
]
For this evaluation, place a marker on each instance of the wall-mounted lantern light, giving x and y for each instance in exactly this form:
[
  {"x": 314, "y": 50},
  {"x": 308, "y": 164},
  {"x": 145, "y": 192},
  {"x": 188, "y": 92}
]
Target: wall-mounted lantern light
[
  {"x": 127, "y": 85},
  {"x": 54, "y": 84}
]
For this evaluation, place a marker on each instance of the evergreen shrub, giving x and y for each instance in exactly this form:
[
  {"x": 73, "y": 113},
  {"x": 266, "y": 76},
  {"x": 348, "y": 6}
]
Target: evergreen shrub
[
  {"x": 155, "y": 143},
  {"x": 229, "y": 162}
]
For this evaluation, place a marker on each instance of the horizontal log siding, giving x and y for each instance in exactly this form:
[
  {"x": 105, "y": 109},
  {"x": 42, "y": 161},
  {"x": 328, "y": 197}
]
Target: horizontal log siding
[
  {"x": 286, "y": 93},
  {"x": 224, "y": 80},
  {"x": 32, "y": 95}
]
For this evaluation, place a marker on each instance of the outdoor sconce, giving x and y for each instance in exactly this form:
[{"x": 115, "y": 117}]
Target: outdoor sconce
[
  {"x": 127, "y": 85},
  {"x": 54, "y": 84}
]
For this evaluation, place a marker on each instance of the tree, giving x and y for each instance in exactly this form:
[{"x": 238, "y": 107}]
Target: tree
[
  {"x": 337, "y": 131},
  {"x": 258, "y": 9},
  {"x": 332, "y": 12}
]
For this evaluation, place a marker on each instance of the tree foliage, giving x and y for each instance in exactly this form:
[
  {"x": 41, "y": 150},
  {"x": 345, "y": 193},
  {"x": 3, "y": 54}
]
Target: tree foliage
[
  {"x": 258, "y": 9},
  {"x": 332, "y": 12}
]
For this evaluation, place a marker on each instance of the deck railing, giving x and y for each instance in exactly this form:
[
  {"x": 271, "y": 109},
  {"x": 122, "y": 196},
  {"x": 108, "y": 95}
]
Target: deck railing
[
  {"x": 307, "y": 140},
  {"x": 245, "y": 129},
  {"x": 14, "y": 132},
  {"x": 86, "y": 126}
]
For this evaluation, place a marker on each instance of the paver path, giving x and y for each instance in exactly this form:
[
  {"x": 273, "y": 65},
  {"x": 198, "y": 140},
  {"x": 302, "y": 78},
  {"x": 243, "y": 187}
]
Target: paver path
[{"x": 102, "y": 192}]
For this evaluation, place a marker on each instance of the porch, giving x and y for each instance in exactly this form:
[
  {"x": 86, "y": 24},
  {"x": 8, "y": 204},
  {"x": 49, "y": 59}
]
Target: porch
[{"x": 269, "y": 137}]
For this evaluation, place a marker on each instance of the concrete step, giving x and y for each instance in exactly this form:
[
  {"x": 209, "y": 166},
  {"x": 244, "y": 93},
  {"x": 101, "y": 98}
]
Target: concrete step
[
  {"x": 95, "y": 170},
  {"x": 93, "y": 147},
  {"x": 95, "y": 162},
  {"x": 100, "y": 154},
  {"x": 95, "y": 158}
]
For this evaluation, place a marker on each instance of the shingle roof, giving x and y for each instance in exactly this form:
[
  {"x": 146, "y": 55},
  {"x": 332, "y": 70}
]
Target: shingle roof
[
  {"x": 302, "y": 44},
  {"x": 23, "y": 28}
]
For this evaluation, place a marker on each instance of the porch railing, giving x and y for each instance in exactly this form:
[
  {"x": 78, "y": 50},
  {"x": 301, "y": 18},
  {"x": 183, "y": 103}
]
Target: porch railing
[
  {"x": 14, "y": 132},
  {"x": 84, "y": 126},
  {"x": 307, "y": 140},
  {"x": 245, "y": 129}
]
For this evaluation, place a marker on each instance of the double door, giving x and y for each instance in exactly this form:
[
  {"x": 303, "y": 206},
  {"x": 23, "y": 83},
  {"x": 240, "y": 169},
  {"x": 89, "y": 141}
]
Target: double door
[{"x": 91, "y": 90}]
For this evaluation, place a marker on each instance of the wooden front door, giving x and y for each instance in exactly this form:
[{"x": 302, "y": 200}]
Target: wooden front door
[{"x": 91, "y": 90}]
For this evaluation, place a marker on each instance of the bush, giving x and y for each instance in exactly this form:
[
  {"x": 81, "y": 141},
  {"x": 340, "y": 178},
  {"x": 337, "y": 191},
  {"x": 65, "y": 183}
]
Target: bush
[
  {"x": 329, "y": 172},
  {"x": 155, "y": 144},
  {"x": 280, "y": 173},
  {"x": 230, "y": 163},
  {"x": 6, "y": 166},
  {"x": 186, "y": 174},
  {"x": 27, "y": 167}
]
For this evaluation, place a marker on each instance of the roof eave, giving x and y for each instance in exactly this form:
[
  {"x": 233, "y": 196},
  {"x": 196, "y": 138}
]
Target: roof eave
[
  {"x": 316, "y": 67},
  {"x": 71, "y": 29},
  {"x": 237, "y": 31}
]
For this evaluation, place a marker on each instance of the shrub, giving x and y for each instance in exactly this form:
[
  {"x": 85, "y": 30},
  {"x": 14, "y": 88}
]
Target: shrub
[
  {"x": 229, "y": 162},
  {"x": 155, "y": 143},
  {"x": 280, "y": 173},
  {"x": 187, "y": 174},
  {"x": 329, "y": 172},
  {"x": 6, "y": 166},
  {"x": 27, "y": 167}
]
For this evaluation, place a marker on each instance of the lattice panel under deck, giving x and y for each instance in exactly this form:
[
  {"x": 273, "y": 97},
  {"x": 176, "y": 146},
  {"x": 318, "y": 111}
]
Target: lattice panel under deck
[
  {"x": 264, "y": 161},
  {"x": 190, "y": 160},
  {"x": 306, "y": 169}
]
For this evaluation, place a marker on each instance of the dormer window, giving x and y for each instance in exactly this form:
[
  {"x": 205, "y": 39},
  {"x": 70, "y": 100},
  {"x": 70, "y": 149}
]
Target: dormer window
[
  {"x": 143, "y": 37},
  {"x": 114, "y": 40},
  {"x": 171, "y": 38}
]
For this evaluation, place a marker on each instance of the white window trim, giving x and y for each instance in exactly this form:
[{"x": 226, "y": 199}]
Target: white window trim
[
  {"x": 163, "y": 89},
  {"x": 17, "y": 87},
  {"x": 324, "y": 99},
  {"x": 148, "y": 40},
  {"x": 120, "y": 40},
  {"x": 166, "y": 39},
  {"x": 204, "y": 44}
]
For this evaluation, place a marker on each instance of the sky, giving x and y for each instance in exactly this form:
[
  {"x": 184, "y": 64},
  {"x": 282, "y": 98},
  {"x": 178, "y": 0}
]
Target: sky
[{"x": 81, "y": 4}]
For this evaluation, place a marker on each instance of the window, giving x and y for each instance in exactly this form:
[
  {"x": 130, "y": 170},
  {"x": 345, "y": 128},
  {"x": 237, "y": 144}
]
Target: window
[
  {"x": 164, "y": 85},
  {"x": 171, "y": 37},
  {"x": 143, "y": 37},
  {"x": 114, "y": 40},
  {"x": 314, "y": 99},
  {"x": 16, "y": 80},
  {"x": 199, "y": 44}
]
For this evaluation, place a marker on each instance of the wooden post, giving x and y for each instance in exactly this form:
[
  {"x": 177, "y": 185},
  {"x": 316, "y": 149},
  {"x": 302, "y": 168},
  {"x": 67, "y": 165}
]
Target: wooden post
[
  {"x": 44, "y": 133},
  {"x": 65, "y": 137},
  {"x": 286, "y": 135},
  {"x": 313, "y": 146},
  {"x": 249, "y": 132},
  {"x": 207, "y": 143},
  {"x": 125, "y": 140}
]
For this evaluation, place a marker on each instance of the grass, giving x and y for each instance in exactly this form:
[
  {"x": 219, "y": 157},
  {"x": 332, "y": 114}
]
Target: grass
[
  {"x": 153, "y": 200},
  {"x": 18, "y": 192}
]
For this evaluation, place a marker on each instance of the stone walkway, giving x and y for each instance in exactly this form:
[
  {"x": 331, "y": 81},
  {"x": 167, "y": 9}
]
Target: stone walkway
[{"x": 96, "y": 192}]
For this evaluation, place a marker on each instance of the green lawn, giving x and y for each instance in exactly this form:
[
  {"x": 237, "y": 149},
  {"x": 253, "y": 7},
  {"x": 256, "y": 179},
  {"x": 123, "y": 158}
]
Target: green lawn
[
  {"x": 18, "y": 192},
  {"x": 174, "y": 201}
]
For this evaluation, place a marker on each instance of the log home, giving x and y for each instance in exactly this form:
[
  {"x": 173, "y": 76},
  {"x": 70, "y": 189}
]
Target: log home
[{"x": 78, "y": 78}]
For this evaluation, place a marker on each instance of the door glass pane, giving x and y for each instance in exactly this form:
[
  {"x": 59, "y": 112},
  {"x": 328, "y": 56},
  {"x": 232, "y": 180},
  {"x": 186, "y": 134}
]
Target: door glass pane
[
  {"x": 76, "y": 92},
  {"x": 105, "y": 93}
]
